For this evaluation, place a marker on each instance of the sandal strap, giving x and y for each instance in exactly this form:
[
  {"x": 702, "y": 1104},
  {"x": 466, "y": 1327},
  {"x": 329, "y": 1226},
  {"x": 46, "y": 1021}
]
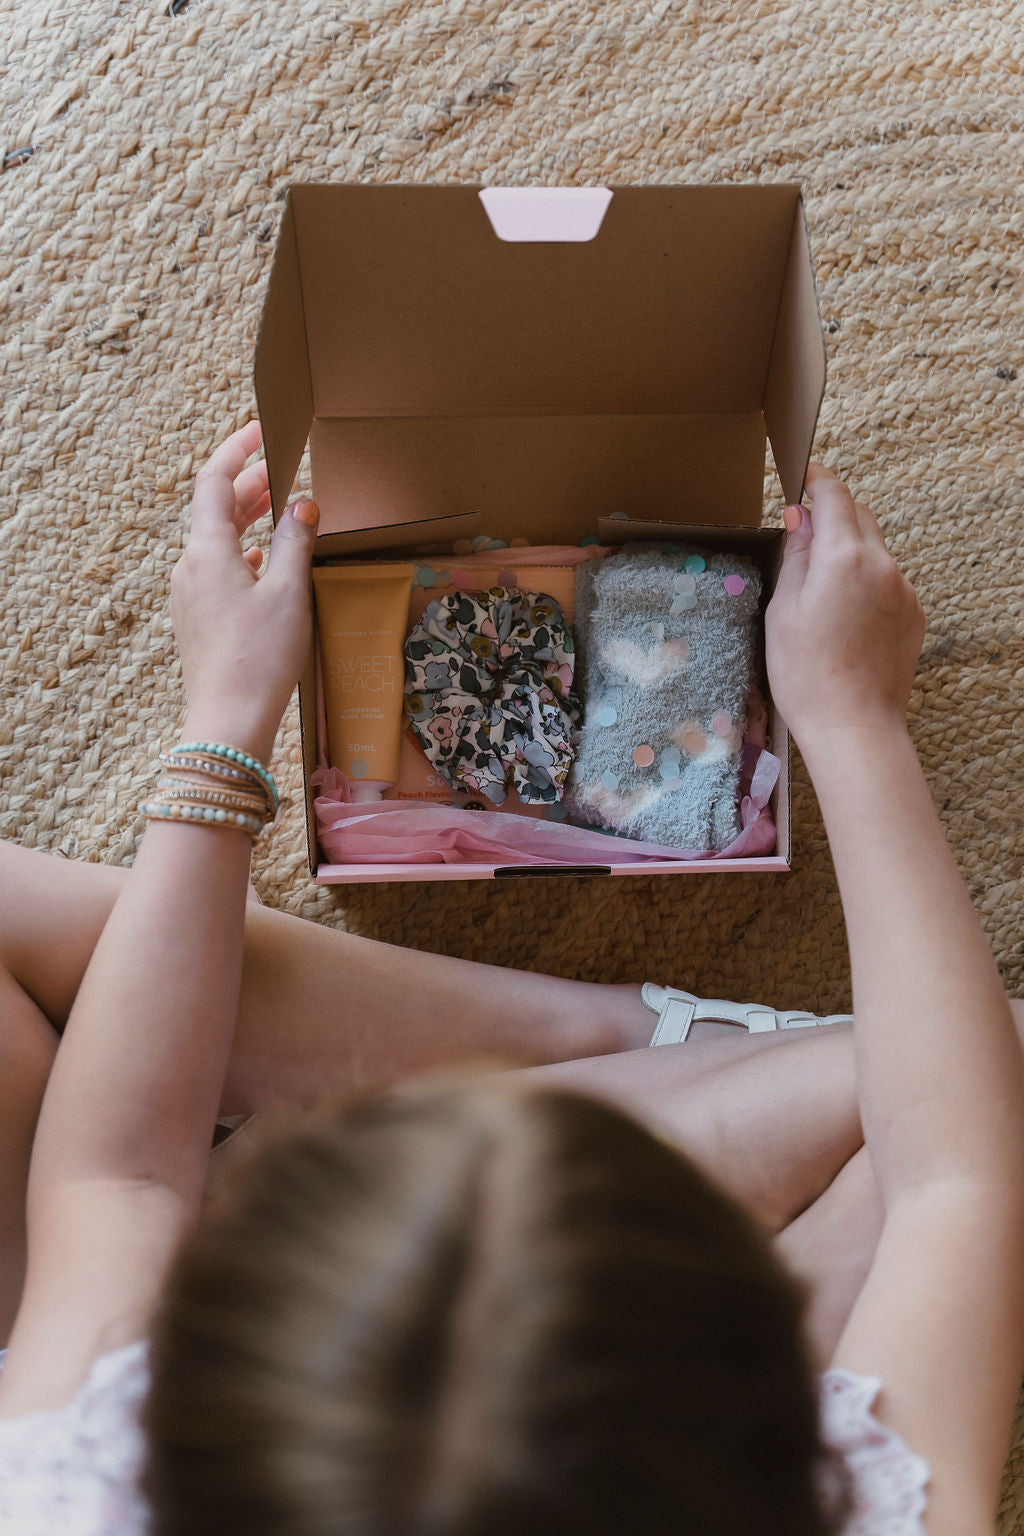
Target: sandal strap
[
  {"x": 678, "y": 1011},
  {"x": 675, "y": 1012}
]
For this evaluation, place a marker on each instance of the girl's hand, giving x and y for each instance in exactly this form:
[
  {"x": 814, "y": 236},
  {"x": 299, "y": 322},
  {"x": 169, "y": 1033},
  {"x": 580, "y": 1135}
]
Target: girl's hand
[
  {"x": 243, "y": 638},
  {"x": 844, "y": 628}
]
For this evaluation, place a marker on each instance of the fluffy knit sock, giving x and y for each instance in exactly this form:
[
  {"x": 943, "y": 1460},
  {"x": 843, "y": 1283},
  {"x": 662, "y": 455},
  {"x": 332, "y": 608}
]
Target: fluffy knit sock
[{"x": 666, "y": 649}]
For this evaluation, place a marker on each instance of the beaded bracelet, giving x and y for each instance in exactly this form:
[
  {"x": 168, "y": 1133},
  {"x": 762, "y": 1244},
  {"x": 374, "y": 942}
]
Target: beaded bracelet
[
  {"x": 182, "y": 789},
  {"x": 207, "y": 813},
  {"x": 230, "y": 778},
  {"x": 242, "y": 779},
  {"x": 230, "y": 755}
]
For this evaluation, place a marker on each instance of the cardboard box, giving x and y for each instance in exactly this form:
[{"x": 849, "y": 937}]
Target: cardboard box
[{"x": 526, "y": 361}]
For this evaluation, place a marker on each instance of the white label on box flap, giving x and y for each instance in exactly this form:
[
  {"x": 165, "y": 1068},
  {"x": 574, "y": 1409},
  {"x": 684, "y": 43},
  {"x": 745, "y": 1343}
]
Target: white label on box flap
[{"x": 545, "y": 213}]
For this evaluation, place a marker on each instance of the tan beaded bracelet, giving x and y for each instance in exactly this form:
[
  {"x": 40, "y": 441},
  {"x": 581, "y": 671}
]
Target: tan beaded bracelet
[
  {"x": 234, "y": 772},
  {"x": 214, "y": 798},
  {"x": 214, "y": 816},
  {"x": 222, "y": 787},
  {"x": 195, "y": 788}
]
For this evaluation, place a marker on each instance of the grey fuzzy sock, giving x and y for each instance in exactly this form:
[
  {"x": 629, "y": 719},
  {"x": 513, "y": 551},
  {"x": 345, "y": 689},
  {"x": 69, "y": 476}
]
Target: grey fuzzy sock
[{"x": 674, "y": 682}]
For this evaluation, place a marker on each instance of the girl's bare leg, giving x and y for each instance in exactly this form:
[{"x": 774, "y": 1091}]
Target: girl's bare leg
[
  {"x": 780, "y": 1132},
  {"x": 324, "y": 1010},
  {"x": 832, "y": 1246},
  {"x": 770, "y": 1117},
  {"x": 320, "y": 1009},
  {"x": 28, "y": 1044},
  {"x": 318, "y": 1006}
]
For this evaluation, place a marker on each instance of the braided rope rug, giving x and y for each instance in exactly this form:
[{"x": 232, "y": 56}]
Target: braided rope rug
[{"x": 137, "y": 237}]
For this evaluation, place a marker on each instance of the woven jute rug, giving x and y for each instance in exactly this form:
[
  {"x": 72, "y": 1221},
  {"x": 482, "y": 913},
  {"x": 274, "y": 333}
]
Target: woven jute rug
[{"x": 147, "y": 156}]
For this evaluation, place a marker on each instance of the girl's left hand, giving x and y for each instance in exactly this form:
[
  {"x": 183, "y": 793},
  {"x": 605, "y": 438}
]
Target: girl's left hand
[{"x": 243, "y": 638}]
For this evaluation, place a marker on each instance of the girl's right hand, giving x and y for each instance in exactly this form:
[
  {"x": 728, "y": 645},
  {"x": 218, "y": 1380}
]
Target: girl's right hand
[{"x": 844, "y": 628}]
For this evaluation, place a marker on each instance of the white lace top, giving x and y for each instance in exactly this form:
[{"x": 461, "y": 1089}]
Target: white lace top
[{"x": 73, "y": 1470}]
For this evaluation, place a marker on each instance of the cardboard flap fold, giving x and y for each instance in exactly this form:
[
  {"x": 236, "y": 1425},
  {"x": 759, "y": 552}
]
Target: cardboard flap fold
[
  {"x": 528, "y": 475},
  {"x": 795, "y": 386},
  {"x": 284, "y": 394}
]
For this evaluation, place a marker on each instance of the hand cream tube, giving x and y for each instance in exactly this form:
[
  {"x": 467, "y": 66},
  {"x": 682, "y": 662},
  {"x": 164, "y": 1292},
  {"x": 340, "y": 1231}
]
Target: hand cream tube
[{"x": 362, "y": 619}]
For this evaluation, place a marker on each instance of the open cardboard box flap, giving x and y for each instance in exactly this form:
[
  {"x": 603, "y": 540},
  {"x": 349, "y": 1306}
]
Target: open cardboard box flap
[{"x": 525, "y": 361}]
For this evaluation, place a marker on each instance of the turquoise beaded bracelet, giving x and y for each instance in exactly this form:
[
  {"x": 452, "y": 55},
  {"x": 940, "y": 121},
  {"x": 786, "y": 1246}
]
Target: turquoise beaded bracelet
[
  {"x": 252, "y": 824},
  {"x": 230, "y": 754}
]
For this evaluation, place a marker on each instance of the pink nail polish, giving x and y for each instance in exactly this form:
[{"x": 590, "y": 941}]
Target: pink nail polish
[
  {"x": 306, "y": 512},
  {"x": 792, "y": 517}
]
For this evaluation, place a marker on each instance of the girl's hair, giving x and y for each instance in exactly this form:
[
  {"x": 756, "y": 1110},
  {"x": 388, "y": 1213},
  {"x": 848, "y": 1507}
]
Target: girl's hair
[{"x": 480, "y": 1312}]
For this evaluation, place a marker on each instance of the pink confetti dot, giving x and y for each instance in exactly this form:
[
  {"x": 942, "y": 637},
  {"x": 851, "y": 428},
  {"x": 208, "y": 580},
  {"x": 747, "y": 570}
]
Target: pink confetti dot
[
  {"x": 462, "y": 578},
  {"x": 734, "y": 585},
  {"x": 695, "y": 741},
  {"x": 721, "y": 723},
  {"x": 680, "y": 648},
  {"x": 643, "y": 755},
  {"x": 507, "y": 579}
]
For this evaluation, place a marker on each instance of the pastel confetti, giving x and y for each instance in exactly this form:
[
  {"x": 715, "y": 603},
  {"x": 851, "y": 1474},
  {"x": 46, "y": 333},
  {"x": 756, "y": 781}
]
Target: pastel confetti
[
  {"x": 425, "y": 576},
  {"x": 721, "y": 723},
  {"x": 670, "y": 755},
  {"x": 462, "y": 578},
  {"x": 607, "y": 715},
  {"x": 557, "y": 812},
  {"x": 681, "y": 648},
  {"x": 591, "y": 538},
  {"x": 609, "y": 779},
  {"x": 734, "y": 585},
  {"x": 684, "y": 603},
  {"x": 461, "y": 547},
  {"x": 507, "y": 579},
  {"x": 695, "y": 563},
  {"x": 695, "y": 741},
  {"x": 480, "y": 542},
  {"x": 358, "y": 768},
  {"x": 685, "y": 583},
  {"x": 672, "y": 784},
  {"x": 669, "y": 770},
  {"x": 496, "y": 544},
  {"x": 444, "y": 578},
  {"x": 643, "y": 755}
]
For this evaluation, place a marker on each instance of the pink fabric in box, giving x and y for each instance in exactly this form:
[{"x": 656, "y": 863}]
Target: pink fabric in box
[{"x": 409, "y": 832}]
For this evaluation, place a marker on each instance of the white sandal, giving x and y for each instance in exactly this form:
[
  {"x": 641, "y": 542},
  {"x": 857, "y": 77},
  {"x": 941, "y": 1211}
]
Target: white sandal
[{"x": 677, "y": 1011}]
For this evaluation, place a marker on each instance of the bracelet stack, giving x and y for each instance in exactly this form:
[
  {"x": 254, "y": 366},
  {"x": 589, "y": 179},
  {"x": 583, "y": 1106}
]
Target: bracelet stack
[{"x": 221, "y": 786}]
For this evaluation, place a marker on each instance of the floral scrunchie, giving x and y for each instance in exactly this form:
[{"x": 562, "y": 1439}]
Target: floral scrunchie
[{"x": 487, "y": 691}]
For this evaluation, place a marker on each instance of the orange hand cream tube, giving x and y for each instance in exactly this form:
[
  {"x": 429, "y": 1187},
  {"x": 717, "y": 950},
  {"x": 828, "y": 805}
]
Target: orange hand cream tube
[{"x": 362, "y": 618}]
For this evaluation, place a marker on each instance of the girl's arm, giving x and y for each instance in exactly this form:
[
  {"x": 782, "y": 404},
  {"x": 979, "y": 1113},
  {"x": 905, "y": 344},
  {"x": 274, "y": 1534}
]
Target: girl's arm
[
  {"x": 119, "y": 1161},
  {"x": 940, "y": 1072},
  {"x": 940, "y": 1069}
]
